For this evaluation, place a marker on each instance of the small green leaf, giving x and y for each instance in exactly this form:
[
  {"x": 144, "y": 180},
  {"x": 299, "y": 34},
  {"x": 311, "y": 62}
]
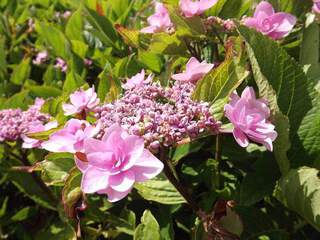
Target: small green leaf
[
  {"x": 44, "y": 91},
  {"x": 159, "y": 190},
  {"x": 71, "y": 192},
  {"x": 56, "y": 167},
  {"x": 21, "y": 72},
  {"x": 148, "y": 229},
  {"x": 151, "y": 61}
]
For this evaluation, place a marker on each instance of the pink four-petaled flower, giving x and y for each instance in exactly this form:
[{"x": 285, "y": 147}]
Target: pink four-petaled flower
[
  {"x": 266, "y": 21},
  {"x": 137, "y": 80},
  {"x": 249, "y": 117},
  {"x": 115, "y": 163},
  {"x": 195, "y": 70},
  {"x": 71, "y": 137},
  {"x": 192, "y": 8},
  {"x": 81, "y": 101},
  {"x": 159, "y": 21}
]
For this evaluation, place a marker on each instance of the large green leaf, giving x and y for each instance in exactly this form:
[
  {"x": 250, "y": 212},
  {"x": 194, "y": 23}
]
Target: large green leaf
[
  {"x": 299, "y": 190},
  {"x": 282, "y": 81},
  {"x": 74, "y": 26},
  {"x": 148, "y": 229},
  {"x": 220, "y": 82},
  {"x": 57, "y": 230},
  {"x": 26, "y": 184},
  {"x": 159, "y": 190}
]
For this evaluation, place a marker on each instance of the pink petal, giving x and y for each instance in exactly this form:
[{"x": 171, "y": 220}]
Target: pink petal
[
  {"x": 69, "y": 109},
  {"x": 123, "y": 181},
  {"x": 81, "y": 165},
  {"x": 263, "y": 10},
  {"x": 192, "y": 63},
  {"x": 147, "y": 167},
  {"x": 252, "y": 22},
  {"x": 206, "y": 4},
  {"x": 50, "y": 125},
  {"x": 94, "y": 180},
  {"x": 115, "y": 128},
  {"x": 240, "y": 137},
  {"x": 181, "y": 77},
  {"x": 133, "y": 148},
  {"x": 92, "y": 145},
  {"x": 284, "y": 22},
  {"x": 114, "y": 196},
  {"x": 102, "y": 160}
]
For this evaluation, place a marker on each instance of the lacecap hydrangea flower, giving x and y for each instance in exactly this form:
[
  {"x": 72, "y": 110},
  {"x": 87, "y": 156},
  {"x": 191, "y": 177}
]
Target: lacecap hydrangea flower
[
  {"x": 249, "y": 117},
  {"x": 113, "y": 164},
  {"x": 270, "y": 23},
  {"x": 159, "y": 21},
  {"x": 137, "y": 80},
  {"x": 192, "y": 8}
]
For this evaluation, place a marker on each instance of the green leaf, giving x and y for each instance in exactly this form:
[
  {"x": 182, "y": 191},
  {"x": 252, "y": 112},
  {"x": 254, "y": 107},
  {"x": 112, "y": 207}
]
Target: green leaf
[
  {"x": 73, "y": 82},
  {"x": 148, "y": 229},
  {"x": 21, "y": 72},
  {"x": 299, "y": 190},
  {"x": 231, "y": 222},
  {"x": 220, "y": 82},
  {"x": 74, "y": 27},
  {"x": 44, "y": 91},
  {"x": 309, "y": 51},
  {"x": 151, "y": 61},
  {"x": 43, "y": 136},
  {"x": 58, "y": 230},
  {"x": 56, "y": 167},
  {"x": 159, "y": 190},
  {"x": 282, "y": 73},
  {"x": 102, "y": 28},
  {"x": 55, "y": 38},
  {"x": 185, "y": 149},
  {"x": 26, "y": 184},
  {"x": 133, "y": 37},
  {"x": 259, "y": 183},
  {"x": 23, "y": 214},
  {"x": 18, "y": 100},
  {"x": 192, "y": 27},
  {"x": 282, "y": 81},
  {"x": 71, "y": 192},
  {"x": 163, "y": 43}
]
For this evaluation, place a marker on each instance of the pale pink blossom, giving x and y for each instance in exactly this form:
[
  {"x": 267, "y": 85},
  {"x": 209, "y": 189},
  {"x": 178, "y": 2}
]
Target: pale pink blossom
[
  {"x": 316, "y": 6},
  {"x": 71, "y": 137},
  {"x": 66, "y": 14},
  {"x": 159, "y": 21},
  {"x": 61, "y": 64},
  {"x": 137, "y": 80},
  {"x": 195, "y": 70},
  {"x": 40, "y": 58},
  {"x": 266, "y": 21},
  {"x": 192, "y": 8},
  {"x": 82, "y": 101},
  {"x": 115, "y": 163},
  {"x": 39, "y": 127},
  {"x": 249, "y": 117}
]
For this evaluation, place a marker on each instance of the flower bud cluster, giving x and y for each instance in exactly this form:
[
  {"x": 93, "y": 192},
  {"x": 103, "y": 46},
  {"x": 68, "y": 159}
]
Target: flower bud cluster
[
  {"x": 162, "y": 116},
  {"x": 15, "y": 122}
]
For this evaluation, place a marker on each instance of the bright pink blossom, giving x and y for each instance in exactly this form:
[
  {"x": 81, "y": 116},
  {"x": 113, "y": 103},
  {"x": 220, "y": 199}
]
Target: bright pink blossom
[
  {"x": 192, "y": 8},
  {"x": 115, "y": 163},
  {"x": 316, "y": 6},
  {"x": 137, "y": 80},
  {"x": 71, "y": 137},
  {"x": 266, "y": 21},
  {"x": 39, "y": 127},
  {"x": 194, "y": 71},
  {"x": 159, "y": 21},
  {"x": 249, "y": 117},
  {"x": 81, "y": 101}
]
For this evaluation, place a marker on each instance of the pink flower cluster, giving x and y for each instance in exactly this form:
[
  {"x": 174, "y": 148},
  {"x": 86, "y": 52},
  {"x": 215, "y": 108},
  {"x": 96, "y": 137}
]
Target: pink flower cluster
[
  {"x": 14, "y": 123},
  {"x": 270, "y": 23},
  {"x": 162, "y": 116}
]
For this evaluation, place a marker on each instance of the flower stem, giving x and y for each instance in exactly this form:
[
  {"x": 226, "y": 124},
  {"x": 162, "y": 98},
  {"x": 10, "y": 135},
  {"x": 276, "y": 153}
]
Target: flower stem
[
  {"x": 180, "y": 188},
  {"x": 217, "y": 172}
]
